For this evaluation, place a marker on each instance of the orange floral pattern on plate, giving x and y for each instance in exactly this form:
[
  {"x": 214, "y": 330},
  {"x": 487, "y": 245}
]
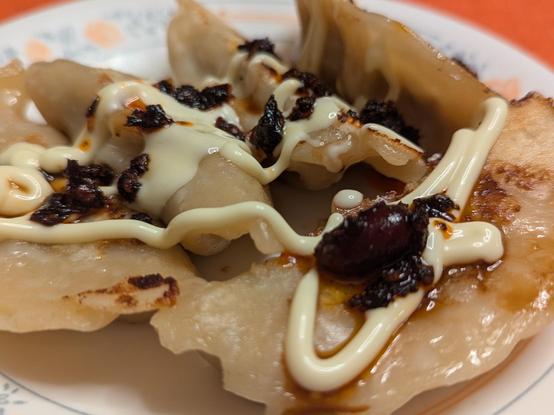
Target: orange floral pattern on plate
[
  {"x": 37, "y": 50},
  {"x": 104, "y": 34}
]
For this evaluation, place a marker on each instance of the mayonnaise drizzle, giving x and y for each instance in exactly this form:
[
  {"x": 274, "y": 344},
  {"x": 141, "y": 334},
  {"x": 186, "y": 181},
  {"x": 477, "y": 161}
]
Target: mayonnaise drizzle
[
  {"x": 463, "y": 161},
  {"x": 22, "y": 155},
  {"x": 22, "y": 189},
  {"x": 467, "y": 242},
  {"x": 325, "y": 113},
  {"x": 244, "y": 72},
  {"x": 230, "y": 222}
]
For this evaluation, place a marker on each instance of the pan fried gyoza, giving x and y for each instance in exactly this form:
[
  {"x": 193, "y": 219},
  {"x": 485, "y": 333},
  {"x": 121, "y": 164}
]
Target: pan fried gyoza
[
  {"x": 14, "y": 127},
  {"x": 335, "y": 321},
  {"x": 123, "y": 143},
  {"x": 256, "y": 73},
  {"x": 368, "y": 57},
  {"x": 478, "y": 315},
  {"x": 84, "y": 286},
  {"x": 52, "y": 85},
  {"x": 75, "y": 286}
]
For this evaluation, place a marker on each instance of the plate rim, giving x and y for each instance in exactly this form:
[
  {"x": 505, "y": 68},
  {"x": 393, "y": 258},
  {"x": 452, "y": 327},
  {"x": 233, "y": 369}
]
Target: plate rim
[{"x": 67, "y": 5}]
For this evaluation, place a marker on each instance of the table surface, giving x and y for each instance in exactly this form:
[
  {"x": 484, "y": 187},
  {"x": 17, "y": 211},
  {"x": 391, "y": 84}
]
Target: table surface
[{"x": 528, "y": 24}]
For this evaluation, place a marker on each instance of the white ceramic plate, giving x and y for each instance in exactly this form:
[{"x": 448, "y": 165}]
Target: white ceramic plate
[{"x": 122, "y": 369}]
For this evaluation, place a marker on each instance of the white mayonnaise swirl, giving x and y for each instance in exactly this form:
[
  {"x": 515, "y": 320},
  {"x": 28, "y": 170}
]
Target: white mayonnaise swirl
[
  {"x": 466, "y": 243},
  {"x": 22, "y": 190},
  {"x": 22, "y": 155},
  {"x": 462, "y": 163},
  {"x": 230, "y": 222},
  {"x": 324, "y": 115}
]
